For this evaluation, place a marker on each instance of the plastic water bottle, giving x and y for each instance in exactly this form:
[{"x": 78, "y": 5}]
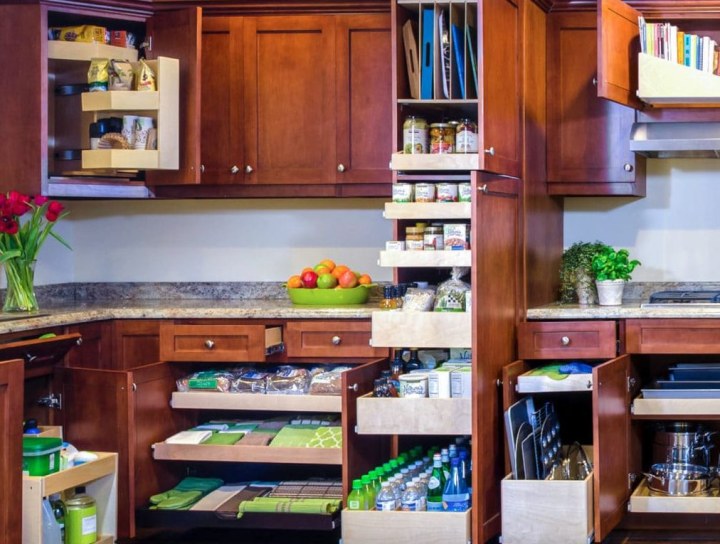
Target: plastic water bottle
[
  {"x": 356, "y": 498},
  {"x": 397, "y": 490},
  {"x": 368, "y": 492},
  {"x": 465, "y": 470},
  {"x": 385, "y": 500},
  {"x": 456, "y": 497},
  {"x": 445, "y": 457},
  {"x": 436, "y": 485},
  {"x": 422, "y": 490},
  {"x": 411, "y": 499}
]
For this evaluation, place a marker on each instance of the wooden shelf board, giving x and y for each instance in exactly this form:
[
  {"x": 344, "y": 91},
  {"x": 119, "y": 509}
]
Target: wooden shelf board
[
  {"x": 661, "y": 82},
  {"x": 72, "y": 477},
  {"x": 643, "y": 502},
  {"x": 421, "y": 329},
  {"x": 54, "y": 431},
  {"x": 141, "y": 159},
  {"x": 436, "y": 161},
  {"x": 425, "y": 259},
  {"x": 247, "y": 454},
  {"x": 204, "y": 400},
  {"x": 120, "y": 100},
  {"x": 62, "y": 50},
  {"x": 427, "y": 210},
  {"x": 362, "y": 526},
  {"x": 414, "y": 416}
]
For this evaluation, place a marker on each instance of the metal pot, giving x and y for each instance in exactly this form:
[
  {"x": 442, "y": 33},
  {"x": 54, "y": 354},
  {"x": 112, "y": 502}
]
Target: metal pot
[
  {"x": 679, "y": 479},
  {"x": 682, "y": 442}
]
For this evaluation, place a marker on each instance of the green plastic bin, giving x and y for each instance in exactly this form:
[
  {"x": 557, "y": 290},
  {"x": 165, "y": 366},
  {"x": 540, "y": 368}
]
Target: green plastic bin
[{"x": 41, "y": 455}]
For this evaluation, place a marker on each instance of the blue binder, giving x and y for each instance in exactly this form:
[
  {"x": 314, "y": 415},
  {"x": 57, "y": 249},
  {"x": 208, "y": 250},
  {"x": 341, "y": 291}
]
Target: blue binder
[{"x": 427, "y": 53}]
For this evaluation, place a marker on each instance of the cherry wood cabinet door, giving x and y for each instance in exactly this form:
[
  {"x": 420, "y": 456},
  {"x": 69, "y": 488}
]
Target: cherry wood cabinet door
[
  {"x": 364, "y": 98},
  {"x": 222, "y": 134},
  {"x": 11, "y": 401},
  {"x": 495, "y": 302},
  {"x": 289, "y": 67},
  {"x": 587, "y": 144},
  {"x": 136, "y": 342},
  {"x": 501, "y": 100}
]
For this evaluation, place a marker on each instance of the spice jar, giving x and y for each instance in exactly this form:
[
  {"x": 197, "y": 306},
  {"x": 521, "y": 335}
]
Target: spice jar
[
  {"x": 466, "y": 136},
  {"x": 442, "y": 138},
  {"x": 414, "y": 238},
  {"x": 415, "y": 135}
]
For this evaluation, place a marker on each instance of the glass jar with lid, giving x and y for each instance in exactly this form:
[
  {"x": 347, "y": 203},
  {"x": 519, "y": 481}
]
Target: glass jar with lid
[
  {"x": 466, "y": 136},
  {"x": 415, "y": 135},
  {"x": 414, "y": 239},
  {"x": 442, "y": 138}
]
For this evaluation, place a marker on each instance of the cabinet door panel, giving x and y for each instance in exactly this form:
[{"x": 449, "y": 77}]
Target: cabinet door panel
[
  {"x": 501, "y": 86},
  {"x": 611, "y": 443},
  {"x": 587, "y": 147},
  {"x": 290, "y": 99},
  {"x": 11, "y": 401},
  {"x": 135, "y": 343},
  {"x": 176, "y": 34},
  {"x": 364, "y": 98}
]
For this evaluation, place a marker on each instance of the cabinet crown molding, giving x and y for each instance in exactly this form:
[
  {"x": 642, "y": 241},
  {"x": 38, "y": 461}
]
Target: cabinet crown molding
[{"x": 652, "y": 9}]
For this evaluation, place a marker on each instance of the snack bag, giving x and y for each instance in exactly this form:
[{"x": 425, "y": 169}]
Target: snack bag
[
  {"x": 451, "y": 294},
  {"x": 121, "y": 75},
  {"x": 145, "y": 77},
  {"x": 98, "y": 74}
]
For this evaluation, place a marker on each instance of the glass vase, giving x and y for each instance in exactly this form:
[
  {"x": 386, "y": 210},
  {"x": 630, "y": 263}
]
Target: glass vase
[{"x": 20, "y": 291}]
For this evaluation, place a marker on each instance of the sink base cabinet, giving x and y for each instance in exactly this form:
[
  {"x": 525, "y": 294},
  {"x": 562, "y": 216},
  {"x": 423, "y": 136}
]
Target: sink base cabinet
[{"x": 11, "y": 396}]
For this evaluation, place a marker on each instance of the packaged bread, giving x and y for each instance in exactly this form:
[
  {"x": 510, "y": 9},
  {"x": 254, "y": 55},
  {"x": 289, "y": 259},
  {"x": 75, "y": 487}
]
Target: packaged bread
[
  {"x": 206, "y": 380},
  {"x": 328, "y": 383},
  {"x": 250, "y": 381},
  {"x": 289, "y": 380}
]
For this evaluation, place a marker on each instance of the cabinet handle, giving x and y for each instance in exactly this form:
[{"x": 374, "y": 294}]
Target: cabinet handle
[
  {"x": 202, "y": 168},
  {"x": 336, "y": 340},
  {"x": 594, "y": 82},
  {"x": 248, "y": 169},
  {"x": 490, "y": 151},
  {"x": 483, "y": 188},
  {"x": 78, "y": 342},
  {"x": 353, "y": 387},
  {"x": 234, "y": 169},
  {"x": 341, "y": 167},
  {"x": 209, "y": 344},
  {"x": 628, "y": 167},
  {"x": 498, "y": 382},
  {"x": 565, "y": 340}
]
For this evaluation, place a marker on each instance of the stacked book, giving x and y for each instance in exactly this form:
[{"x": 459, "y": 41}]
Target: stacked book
[{"x": 666, "y": 41}]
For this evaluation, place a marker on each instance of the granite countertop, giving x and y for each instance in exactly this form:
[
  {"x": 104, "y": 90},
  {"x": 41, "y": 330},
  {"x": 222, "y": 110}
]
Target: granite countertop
[{"x": 628, "y": 310}]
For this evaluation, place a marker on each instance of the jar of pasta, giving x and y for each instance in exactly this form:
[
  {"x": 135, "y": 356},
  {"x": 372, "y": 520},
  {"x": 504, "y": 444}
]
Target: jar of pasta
[
  {"x": 442, "y": 138},
  {"x": 415, "y": 135}
]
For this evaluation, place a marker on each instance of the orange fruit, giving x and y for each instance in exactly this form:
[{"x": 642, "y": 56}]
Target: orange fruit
[
  {"x": 348, "y": 280},
  {"x": 321, "y": 269},
  {"x": 329, "y": 263},
  {"x": 365, "y": 279},
  {"x": 294, "y": 282},
  {"x": 307, "y": 269},
  {"x": 339, "y": 270},
  {"x": 327, "y": 281}
]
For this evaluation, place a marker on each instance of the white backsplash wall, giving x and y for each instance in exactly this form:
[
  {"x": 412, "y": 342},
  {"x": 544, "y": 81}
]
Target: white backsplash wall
[
  {"x": 221, "y": 240},
  {"x": 674, "y": 231}
]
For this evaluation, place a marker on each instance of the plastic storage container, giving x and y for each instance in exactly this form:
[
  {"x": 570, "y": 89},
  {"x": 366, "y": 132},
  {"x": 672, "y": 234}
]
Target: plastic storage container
[
  {"x": 80, "y": 519},
  {"x": 41, "y": 455}
]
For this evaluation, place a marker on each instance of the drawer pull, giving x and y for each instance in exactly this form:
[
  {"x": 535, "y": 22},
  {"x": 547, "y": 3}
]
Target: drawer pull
[
  {"x": 209, "y": 344},
  {"x": 565, "y": 340},
  {"x": 353, "y": 387},
  {"x": 336, "y": 340}
]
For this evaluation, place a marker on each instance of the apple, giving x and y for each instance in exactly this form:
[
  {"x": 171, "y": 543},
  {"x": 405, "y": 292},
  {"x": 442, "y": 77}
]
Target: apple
[{"x": 309, "y": 279}]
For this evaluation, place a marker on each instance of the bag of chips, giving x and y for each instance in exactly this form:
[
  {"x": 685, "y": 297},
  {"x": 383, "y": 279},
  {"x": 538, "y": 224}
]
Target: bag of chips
[{"x": 98, "y": 75}]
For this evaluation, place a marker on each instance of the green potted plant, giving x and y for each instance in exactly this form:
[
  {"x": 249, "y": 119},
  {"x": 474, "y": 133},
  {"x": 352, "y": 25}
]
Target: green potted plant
[
  {"x": 612, "y": 269},
  {"x": 576, "y": 278}
]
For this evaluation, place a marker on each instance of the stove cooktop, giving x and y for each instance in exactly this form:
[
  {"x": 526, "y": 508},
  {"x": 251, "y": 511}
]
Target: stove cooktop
[{"x": 685, "y": 297}]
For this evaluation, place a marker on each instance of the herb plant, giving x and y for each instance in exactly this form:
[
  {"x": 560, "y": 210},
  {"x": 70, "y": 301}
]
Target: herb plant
[
  {"x": 609, "y": 264},
  {"x": 576, "y": 266}
]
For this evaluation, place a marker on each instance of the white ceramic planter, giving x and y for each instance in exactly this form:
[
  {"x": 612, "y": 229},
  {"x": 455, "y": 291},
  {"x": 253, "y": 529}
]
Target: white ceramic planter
[{"x": 610, "y": 292}]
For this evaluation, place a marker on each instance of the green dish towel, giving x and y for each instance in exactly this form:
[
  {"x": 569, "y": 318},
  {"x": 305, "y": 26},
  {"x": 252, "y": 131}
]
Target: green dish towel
[
  {"x": 186, "y": 493},
  {"x": 296, "y": 506},
  {"x": 223, "y": 439},
  {"x": 294, "y": 436},
  {"x": 326, "y": 437}
]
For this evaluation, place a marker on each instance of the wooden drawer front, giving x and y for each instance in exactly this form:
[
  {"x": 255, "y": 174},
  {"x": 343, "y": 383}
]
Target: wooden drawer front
[
  {"x": 366, "y": 526},
  {"x": 212, "y": 343},
  {"x": 567, "y": 340},
  {"x": 672, "y": 336},
  {"x": 331, "y": 339}
]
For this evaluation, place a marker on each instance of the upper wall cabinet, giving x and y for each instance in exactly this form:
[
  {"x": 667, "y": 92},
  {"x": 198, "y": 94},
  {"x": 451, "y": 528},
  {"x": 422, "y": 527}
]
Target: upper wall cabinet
[
  {"x": 457, "y": 60},
  {"x": 45, "y": 123},
  {"x": 587, "y": 146}
]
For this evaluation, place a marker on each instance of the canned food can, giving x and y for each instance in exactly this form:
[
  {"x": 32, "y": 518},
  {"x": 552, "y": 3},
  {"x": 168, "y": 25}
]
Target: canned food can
[
  {"x": 447, "y": 192},
  {"x": 402, "y": 192},
  {"x": 442, "y": 138},
  {"x": 415, "y": 135},
  {"x": 424, "y": 192},
  {"x": 466, "y": 136},
  {"x": 464, "y": 192},
  {"x": 433, "y": 238},
  {"x": 413, "y": 385}
]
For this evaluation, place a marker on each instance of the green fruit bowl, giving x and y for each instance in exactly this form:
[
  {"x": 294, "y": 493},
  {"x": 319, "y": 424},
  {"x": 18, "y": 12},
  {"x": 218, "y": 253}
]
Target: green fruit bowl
[{"x": 330, "y": 297}]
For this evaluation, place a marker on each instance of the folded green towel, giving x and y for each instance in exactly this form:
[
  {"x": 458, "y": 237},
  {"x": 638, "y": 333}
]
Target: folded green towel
[
  {"x": 296, "y": 506},
  {"x": 175, "y": 500},
  {"x": 223, "y": 439},
  {"x": 294, "y": 436},
  {"x": 326, "y": 437}
]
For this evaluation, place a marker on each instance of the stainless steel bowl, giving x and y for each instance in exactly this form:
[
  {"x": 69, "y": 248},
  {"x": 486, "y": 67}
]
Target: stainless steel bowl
[{"x": 679, "y": 479}]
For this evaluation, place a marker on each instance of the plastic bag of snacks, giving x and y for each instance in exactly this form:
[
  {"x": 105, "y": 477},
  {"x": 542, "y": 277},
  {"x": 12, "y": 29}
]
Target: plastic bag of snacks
[
  {"x": 328, "y": 383},
  {"x": 205, "y": 380},
  {"x": 452, "y": 293},
  {"x": 289, "y": 380}
]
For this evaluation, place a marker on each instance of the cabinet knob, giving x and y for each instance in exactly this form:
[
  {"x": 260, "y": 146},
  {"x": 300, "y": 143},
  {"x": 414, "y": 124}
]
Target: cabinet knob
[
  {"x": 483, "y": 188},
  {"x": 336, "y": 340},
  {"x": 490, "y": 151},
  {"x": 353, "y": 387},
  {"x": 248, "y": 169},
  {"x": 341, "y": 167},
  {"x": 628, "y": 167},
  {"x": 209, "y": 344},
  {"x": 565, "y": 340},
  {"x": 234, "y": 169},
  {"x": 594, "y": 82},
  {"x": 78, "y": 342},
  {"x": 202, "y": 168}
]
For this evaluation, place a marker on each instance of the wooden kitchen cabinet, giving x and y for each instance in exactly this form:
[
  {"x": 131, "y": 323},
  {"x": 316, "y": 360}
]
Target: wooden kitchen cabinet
[
  {"x": 338, "y": 338},
  {"x": 11, "y": 399},
  {"x": 587, "y": 144}
]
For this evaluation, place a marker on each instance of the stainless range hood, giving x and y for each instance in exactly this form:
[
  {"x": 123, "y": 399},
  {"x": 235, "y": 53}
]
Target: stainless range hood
[{"x": 676, "y": 140}]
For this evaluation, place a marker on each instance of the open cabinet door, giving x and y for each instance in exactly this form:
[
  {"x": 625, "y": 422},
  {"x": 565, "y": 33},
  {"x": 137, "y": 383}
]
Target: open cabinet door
[
  {"x": 11, "y": 402},
  {"x": 611, "y": 443},
  {"x": 123, "y": 412},
  {"x": 178, "y": 34},
  {"x": 618, "y": 48},
  {"x": 360, "y": 453}
]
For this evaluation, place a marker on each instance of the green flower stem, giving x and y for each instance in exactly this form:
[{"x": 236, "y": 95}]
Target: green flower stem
[{"x": 20, "y": 292}]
